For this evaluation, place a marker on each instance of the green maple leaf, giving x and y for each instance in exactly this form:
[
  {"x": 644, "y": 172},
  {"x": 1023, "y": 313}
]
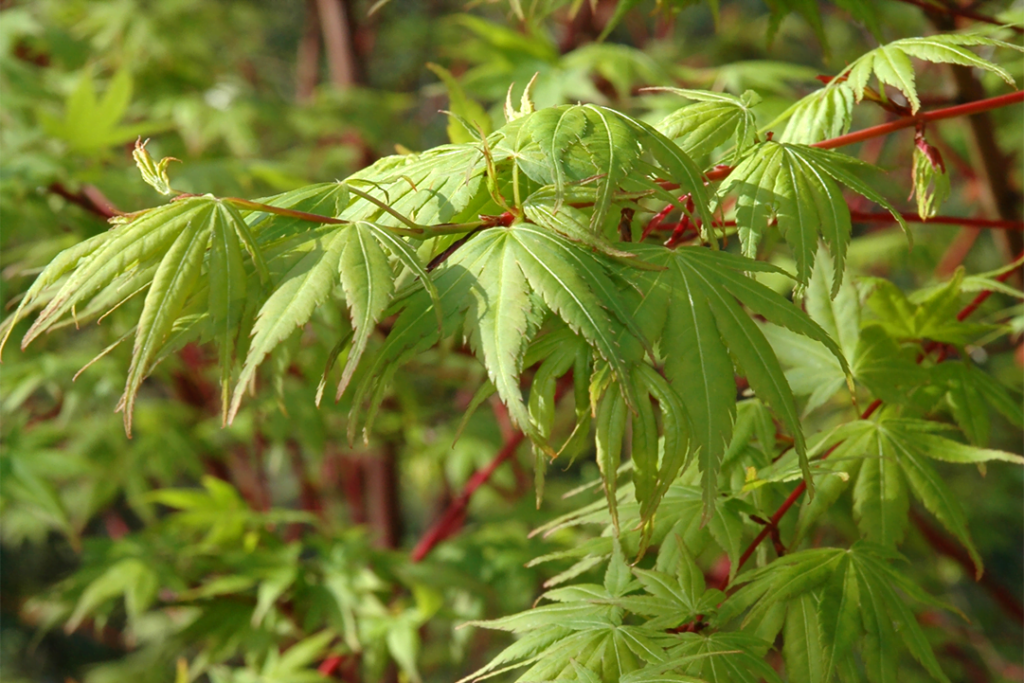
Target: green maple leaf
[
  {"x": 90, "y": 124},
  {"x": 891, "y": 64},
  {"x": 930, "y": 314},
  {"x": 833, "y": 598},
  {"x": 162, "y": 252},
  {"x": 711, "y": 121},
  {"x": 693, "y": 308},
  {"x": 799, "y": 187},
  {"x": 825, "y": 113},
  {"x": 875, "y": 359},
  {"x": 894, "y": 454}
]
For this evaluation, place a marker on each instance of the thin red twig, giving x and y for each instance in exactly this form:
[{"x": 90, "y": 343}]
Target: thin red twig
[
  {"x": 911, "y": 121},
  {"x": 886, "y": 217},
  {"x": 456, "y": 512},
  {"x": 89, "y": 198},
  {"x": 453, "y": 516},
  {"x": 721, "y": 172},
  {"x": 978, "y": 300},
  {"x": 656, "y": 221},
  {"x": 791, "y": 500}
]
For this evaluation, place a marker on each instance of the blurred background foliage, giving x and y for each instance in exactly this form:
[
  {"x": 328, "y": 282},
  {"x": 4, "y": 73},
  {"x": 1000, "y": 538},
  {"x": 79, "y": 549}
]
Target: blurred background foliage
[{"x": 262, "y": 551}]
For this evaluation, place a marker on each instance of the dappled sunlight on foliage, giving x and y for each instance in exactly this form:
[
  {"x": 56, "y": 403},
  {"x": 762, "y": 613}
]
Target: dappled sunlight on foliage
[{"x": 454, "y": 341}]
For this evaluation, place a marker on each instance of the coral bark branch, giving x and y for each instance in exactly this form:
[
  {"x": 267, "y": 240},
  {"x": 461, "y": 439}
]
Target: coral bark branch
[
  {"x": 89, "y": 198},
  {"x": 885, "y": 217},
  {"x": 792, "y": 499},
  {"x": 455, "y": 514},
  {"x": 721, "y": 172},
  {"x": 911, "y": 121},
  {"x": 452, "y": 518}
]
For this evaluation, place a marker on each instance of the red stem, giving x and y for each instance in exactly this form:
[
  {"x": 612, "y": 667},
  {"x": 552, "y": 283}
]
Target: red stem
[
  {"x": 886, "y": 217},
  {"x": 453, "y": 516},
  {"x": 655, "y": 222},
  {"x": 89, "y": 198},
  {"x": 911, "y": 121},
  {"x": 791, "y": 500},
  {"x": 978, "y": 300},
  {"x": 721, "y": 172}
]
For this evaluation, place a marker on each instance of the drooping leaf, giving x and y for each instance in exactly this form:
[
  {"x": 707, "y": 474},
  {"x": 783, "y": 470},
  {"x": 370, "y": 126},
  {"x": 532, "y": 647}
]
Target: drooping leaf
[
  {"x": 368, "y": 282},
  {"x": 930, "y": 180},
  {"x": 673, "y": 445},
  {"x": 839, "y": 614},
  {"x": 881, "y": 504},
  {"x": 173, "y": 281},
  {"x": 798, "y": 187},
  {"x": 416, "y": 327},
  {"x": 610, "y": 429},
  {"x": 802, "y": 641},
  {"x": 697, "y": 296},
  {"x": 562, "y": 353},
  {"x": 98, "y": 261},
  {"x": 500, "y": 322},
  {"x": 876, "y": 581},
  {"x": 645, "y": 451},
  {"x": 301, "y": 290},
  {"x": 568, "y": 279},
  {"x": 228, "y": 289},
  {"x": 881, "y": 644}
]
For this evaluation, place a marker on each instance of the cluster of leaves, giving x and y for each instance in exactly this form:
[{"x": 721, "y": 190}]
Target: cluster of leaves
[
  {"x": 627, "y": 629},
  {"x": 525, "y": 245},
  {"x": 330, "y": 589}
]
